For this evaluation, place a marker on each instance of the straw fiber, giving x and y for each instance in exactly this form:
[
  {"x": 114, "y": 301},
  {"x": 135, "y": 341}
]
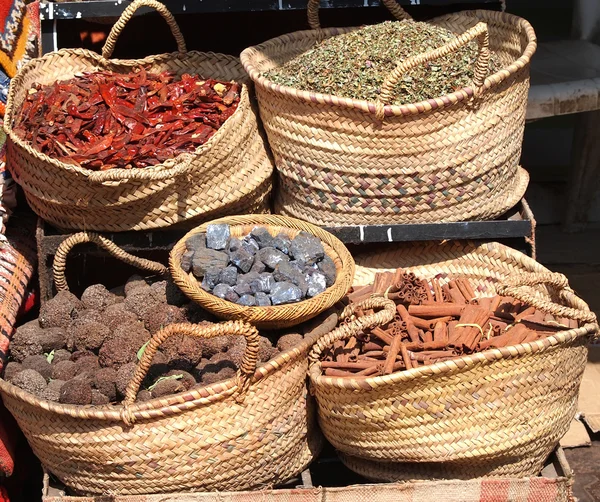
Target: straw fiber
[
  {"x": 345, "y": 161},
  {"x": 279, "y": 316},
  {"x": 230, "y": 173},
  {"x": 252, "y": 430},
  {"x": 496, "y": 413},
  {"x": 256, "y": 429}
]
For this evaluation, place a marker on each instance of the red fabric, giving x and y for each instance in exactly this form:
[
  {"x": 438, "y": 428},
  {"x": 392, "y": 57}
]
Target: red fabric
[
  {"x": 4, "y": 495},
  {"x": 9, "y": 434}
]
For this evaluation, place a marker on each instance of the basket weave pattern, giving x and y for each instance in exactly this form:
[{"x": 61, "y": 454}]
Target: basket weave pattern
[
  {"x": 279, "y": 316},
  {"x": 445, "y": 159},
  {"x": 232, "y": 435},
  {"x": 496, "y": 413},
  {"x": 230, "y": 173}
]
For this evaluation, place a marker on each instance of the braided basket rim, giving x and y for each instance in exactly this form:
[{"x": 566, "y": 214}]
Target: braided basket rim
[
  {"x": 249, "y": 54},
  {"x": 449, "y": 367},
  {"x": 97, "y": 59},
  {"x": 277, "y": 315},
  {"x": 169, "y": 405}
]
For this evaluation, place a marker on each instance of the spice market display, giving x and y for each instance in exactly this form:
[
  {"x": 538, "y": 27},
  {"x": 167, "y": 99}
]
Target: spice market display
[{"x": 284, "y": 336}]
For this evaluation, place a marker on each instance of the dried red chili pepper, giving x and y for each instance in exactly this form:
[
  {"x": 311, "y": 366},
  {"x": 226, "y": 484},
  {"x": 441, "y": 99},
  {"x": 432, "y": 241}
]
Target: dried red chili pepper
[{"x": 105, "y": 120}]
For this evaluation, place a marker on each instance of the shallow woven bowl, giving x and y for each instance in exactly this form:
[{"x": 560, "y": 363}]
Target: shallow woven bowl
[{"x": 274, "y": 317}]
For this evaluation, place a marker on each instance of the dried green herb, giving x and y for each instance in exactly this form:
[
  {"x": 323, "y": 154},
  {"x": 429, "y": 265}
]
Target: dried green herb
[{"x": 355, "y": 64}]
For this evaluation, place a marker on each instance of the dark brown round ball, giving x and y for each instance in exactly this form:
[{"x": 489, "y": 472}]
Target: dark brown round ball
[
  {"x": 39, "y": 364},
  {"x": 99, "y": 399},
  {"x": 78, "y": 354},
  {"x": 116, "y": 315},
  {"x": 52, "y": 391},
  {"x": 123, "y": 345},
  {"x": 124, "y": 376},
  {"x": 61, "y": 355},
  {"x": 215, "y": 345},
  {"x": 60, "y": 310},
  {"x": 167, "y": 387},
  {"x": 87, "y": 365},
  {"x": 11, "y": 370},
  {"x": 97, "y": 297},
  {"x": 26, "y": 341},
  {"x": 144, "y": 395},
  {"x": 133, "y": 283},
  {"x": 183, "y": 352},
  {"x": 53, "y": 339},
  {"x": 221, "y": 375},
  {"x": 64, "y": 370},
  {"x": 163, "y": 315},
  {"x": 105, "y": 381},
  {"x": 76, "y": 392},
  {"x": 289, "y": 341},
  {"x": 140, "y": 301},
  {"x": 88, "y": 335},
  {"x": 30, "y": 381}
]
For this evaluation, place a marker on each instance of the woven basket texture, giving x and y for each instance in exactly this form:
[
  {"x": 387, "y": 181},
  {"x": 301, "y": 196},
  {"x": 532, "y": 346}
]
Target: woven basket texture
[
  {"x": 449, "y": 158},
  {"x": 230, "y": 173},
  {"x": 273, "y": 317},
  {"x": 496, "y": 413},
  {"x": 254, "y": 430}
]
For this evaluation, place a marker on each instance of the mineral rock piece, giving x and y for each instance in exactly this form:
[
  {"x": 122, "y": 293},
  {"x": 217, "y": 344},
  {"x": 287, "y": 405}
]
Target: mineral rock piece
[
  {"x": 271, "y": 256},
  {"x": 211, "y": 278},
  {"x": 243, "y": 289},
  {"x": 234, "y": 244},
  {"x": 222, "y": 290},
  {"x": 229, "y": 276},
  {"x": 247, "y": 278},
  {"x": 208, "y": 258},
  {"x": 263, "y": 283},
  {"x": 217, "y": 236},
  {"x": 327, "y": 266},
  {"x": 250, "y": 245},
  {"x": 262, "y": 236},
  {"x": 307, "y": 248},
  {"x": 317, "y": 283},
  {"x": 247, "y": 300},
  {"x": 232, "y": 296},
  {"x": 283, "y": 243},
  {"x": 259, "y": 267},
  {"x": 285, "y": 292},
  {"x": 290, "y": 272},
  {"x": 242, "y": 259},
  {"x": 262, "y": 299},
  {"x": 195, "y": 242},
  {"x": 186, "y": 261}
]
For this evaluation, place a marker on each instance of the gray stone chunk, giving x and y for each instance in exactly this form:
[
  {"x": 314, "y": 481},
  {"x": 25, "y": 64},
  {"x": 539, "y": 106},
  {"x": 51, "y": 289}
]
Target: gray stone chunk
[
  {"x": 211, "y": 278},
  {"x": 285, "y": 292},
  {"x": 258, "y": 266},
  {"x": 247, "y": 278},
  {"x": 195, "y": 242},
  {"x": 242, "y": 259},
  {"x": 250, "y": 245},
  {"x": 205, "y": 258},
  {"x": 262, "y": 236},
  {"x": 243, "y": 289},
  {"x": 262, "y": 299},
  {"x": 234, "y": 244},
  {"x": 283, "y": 243},
  {"x": 232, "y": 296},
  {"x": 186, "y": 261},
  {"x": 263, "y": 283},
  {"x": 307, "y": 248},
  {"x": 327, "y": 266},
  {"x": 290, "y": 272},
  {"x": 222, "y": 290},
  {"x": 317, "y": 283},
  {"x": 247, "y": 300},
  {"x": 271, "y": 257},
  {"x": 217, "y": 236},
  {"x": 229, "y": 276}
]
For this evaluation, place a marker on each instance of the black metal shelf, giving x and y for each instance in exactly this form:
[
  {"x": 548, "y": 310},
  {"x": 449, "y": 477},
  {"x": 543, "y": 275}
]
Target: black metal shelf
[
  {"x": 111, "y": 8},
  {"x": 517, "y": 224}
]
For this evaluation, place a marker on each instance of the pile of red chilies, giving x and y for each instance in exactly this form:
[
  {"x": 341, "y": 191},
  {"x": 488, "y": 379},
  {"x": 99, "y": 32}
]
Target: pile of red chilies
[{"x": 105, "y": 120}]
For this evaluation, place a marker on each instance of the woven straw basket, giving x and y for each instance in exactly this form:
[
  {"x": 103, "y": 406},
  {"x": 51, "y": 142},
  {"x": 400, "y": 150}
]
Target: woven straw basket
[
  {"x": 273, "y": 317},
  {"x": 230, "y": 173},
  {"x": 344, "y": 161},
  {"x": 255, "y": 429},
  {"x": 496, "y": 413}
]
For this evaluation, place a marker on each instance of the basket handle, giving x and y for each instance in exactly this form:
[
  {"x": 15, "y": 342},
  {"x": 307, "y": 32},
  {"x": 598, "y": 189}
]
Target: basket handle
[
  {"x": 60, "y": 258},
  {"x": 479, "y": 31},
  {"x": 392, "y": 5},
  {"x": 577, "y": 309},
  {"x": 238, "y": 328},
  {"x": 383, "y": 316},
  {"x": 127, "y": 14}
]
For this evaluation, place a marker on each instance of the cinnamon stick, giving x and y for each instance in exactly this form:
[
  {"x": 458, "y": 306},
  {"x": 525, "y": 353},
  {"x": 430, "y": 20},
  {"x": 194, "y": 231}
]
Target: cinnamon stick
[
  {"x": 405, "y": 356},
  {"x": 469, "y": 330},
  {"x": 413, "y": 333},
  {"x": 429, "y": 296},
  {"x": 438, "y": 295},
  {"x": 442, "y": 310},
  {"x": 388, "y": 366},
  {"x": 382, "y": 335},
  {"x": 440, "y": 332}
]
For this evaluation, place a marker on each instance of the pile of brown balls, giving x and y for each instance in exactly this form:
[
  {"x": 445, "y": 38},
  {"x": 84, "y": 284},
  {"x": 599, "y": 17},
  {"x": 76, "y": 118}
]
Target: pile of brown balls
[{"x": 85, "y": 351}]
